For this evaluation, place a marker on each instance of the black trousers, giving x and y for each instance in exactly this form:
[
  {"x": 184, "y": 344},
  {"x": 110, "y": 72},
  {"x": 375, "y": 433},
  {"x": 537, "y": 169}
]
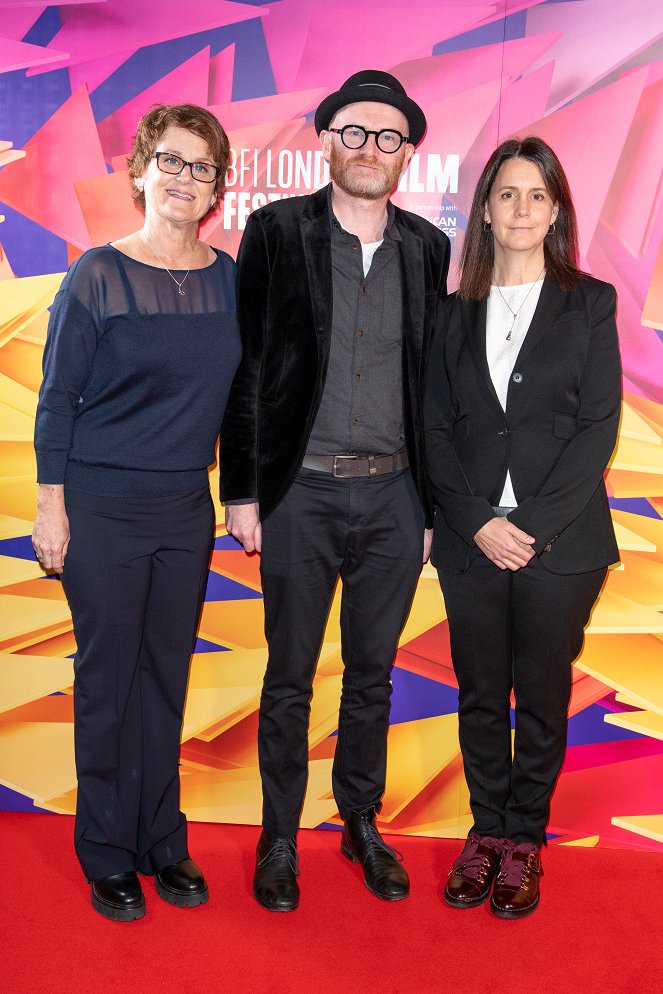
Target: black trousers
[
  {"x": 370, "y": 533},
  {"x": 516, "y": 631},
  {"x": 134, "y": 576}
]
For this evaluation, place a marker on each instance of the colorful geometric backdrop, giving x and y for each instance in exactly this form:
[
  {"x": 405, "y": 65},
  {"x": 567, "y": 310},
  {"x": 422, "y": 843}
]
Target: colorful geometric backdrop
[{"x": 588, "y": 77}]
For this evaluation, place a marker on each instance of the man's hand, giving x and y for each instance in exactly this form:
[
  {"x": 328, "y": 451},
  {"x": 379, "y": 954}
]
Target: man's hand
[
  {"x": 428, "y": 541},
  {"x": 243, "y": 523},
  {"x": 50, "y": 535},
  {"x": 504, "y": 544}
]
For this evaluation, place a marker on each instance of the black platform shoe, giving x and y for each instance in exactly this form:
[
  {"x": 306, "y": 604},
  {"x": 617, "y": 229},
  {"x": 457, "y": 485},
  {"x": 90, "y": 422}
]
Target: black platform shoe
[
  {"x": 181, "y": 884},
  {"x": 118, "y": 897}
]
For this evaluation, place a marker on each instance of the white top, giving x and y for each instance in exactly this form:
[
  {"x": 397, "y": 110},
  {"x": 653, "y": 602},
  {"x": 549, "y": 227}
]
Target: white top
[
  {"x": 368, "y": 250},
  {"x": 501, "y": 352}
]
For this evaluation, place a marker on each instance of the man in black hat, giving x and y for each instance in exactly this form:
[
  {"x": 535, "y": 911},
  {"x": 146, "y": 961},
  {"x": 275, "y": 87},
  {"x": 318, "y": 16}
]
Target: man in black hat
[{"x": 322, "y": 459}]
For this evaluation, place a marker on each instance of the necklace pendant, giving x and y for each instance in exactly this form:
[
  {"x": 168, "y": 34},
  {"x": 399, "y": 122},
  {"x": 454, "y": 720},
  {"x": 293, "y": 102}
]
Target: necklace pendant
[
  {"x": 181, "y": 292},
  {"x": 508, "y": 337}
]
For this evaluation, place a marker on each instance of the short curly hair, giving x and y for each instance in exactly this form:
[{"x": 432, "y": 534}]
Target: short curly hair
[{"x": 189, "y": 117}]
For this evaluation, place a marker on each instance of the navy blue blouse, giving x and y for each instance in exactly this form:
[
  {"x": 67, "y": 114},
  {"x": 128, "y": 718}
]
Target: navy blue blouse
[{"x": 136, "y": 376}]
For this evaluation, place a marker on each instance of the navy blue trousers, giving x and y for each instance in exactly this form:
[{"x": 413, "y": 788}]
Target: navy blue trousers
[
  {"x": 135, "y": 577},
  {"x": 368, "y": 532}
]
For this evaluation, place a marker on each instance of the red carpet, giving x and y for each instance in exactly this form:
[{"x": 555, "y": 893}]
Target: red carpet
[{"x": 599, "y": 927}]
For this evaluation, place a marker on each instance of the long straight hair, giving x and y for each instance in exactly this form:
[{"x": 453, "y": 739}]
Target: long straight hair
[{"x": 560, "y": 247}]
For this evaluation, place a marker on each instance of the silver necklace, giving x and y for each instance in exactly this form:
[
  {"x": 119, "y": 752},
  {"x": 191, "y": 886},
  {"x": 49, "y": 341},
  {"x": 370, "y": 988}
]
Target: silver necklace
[
  {"x": 180, "y": 283},
  {"x": 522, "y": 303}
]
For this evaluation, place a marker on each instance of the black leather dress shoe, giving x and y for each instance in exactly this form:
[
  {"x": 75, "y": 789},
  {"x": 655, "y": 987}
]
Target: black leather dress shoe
[
  {"x": 277, "y": 868},
  {"x": 118, "y": 897},
  {"x": 471, "y": 877},
  {"x": 384, "y": 874},
  {"x": 181, "y": 884}
]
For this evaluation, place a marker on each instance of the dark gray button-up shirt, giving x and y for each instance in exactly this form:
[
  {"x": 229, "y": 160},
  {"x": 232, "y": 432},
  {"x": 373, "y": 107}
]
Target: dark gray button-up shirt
[{"x": 362, "y": 403}]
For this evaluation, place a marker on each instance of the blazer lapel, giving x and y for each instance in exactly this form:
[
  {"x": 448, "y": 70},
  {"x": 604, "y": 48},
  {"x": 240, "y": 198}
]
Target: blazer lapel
[
  {"x": 548, "y": 307},
  {"x": 473, "y": 317},
  {"x": 550, "y": 303},
  {"x": 414, "y": 300},
  {"x": 316, "y": 238}
]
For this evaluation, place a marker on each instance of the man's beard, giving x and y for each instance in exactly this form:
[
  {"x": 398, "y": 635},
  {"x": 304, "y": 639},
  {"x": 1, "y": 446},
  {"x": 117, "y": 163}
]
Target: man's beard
[{"x": 370, "y": 184}]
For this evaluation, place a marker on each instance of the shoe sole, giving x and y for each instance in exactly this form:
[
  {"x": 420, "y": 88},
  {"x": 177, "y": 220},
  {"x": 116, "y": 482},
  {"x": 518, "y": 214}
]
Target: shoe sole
[
  {"x": 500, "y": 913},
  {"x": 181, "y": 900},
  {"x": 348, "y": 853},
  {"x": 118, "y": 914},
  {"x": 275, "y": 907},
  {"x": 475, "y": 902}
]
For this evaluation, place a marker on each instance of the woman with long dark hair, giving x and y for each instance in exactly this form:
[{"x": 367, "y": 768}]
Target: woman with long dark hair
[{"x": 521, "y": 415}]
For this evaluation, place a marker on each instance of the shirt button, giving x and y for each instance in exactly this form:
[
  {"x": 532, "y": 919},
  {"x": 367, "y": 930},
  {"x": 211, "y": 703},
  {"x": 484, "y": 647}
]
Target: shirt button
[
  {"x": 364, "y": 289},
  {"x": 517, "y": 377},
  {"x": 506, "y": 432},
  {"x": 354, "y": 248},
  {"x": 361, "y": 332},
  {"x": 355, "y": 421},
  {"x": 358, "y": 376}
]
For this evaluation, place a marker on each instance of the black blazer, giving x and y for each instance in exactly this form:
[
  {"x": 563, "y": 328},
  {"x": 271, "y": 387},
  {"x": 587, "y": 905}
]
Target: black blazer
[
  {"x": 284, "y": 308},
  {"x": 556, "y": 436}
]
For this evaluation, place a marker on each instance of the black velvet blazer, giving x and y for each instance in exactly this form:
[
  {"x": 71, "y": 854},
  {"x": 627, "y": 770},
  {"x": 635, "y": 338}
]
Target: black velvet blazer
[
  {"x": 284, "y": 308},
  {"x": 556, "y": 436}
]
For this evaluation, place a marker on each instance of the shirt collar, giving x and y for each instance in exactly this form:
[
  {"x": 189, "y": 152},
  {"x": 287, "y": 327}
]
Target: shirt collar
[{"x": 390, "y": 231}]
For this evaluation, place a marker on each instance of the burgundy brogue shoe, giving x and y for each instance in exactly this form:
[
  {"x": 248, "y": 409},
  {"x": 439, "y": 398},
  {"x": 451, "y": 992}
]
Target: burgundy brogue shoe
[
  {"x": 516, "y": 890},
  {"x": 473, "y": 872}
]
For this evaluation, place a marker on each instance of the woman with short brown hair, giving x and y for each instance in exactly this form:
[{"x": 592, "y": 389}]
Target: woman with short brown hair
[{"x": 141, "y": 350}]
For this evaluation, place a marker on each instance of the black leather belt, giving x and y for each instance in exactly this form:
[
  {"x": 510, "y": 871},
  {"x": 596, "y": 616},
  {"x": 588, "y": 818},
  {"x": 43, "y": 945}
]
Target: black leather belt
[{"x": 348, "y": 467}]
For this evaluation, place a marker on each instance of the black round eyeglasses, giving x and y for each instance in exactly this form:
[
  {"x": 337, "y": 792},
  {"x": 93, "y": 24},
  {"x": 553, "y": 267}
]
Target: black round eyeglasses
[{"x": 354, "y": 136}]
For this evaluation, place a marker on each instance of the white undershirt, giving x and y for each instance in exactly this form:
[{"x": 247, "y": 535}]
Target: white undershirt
[
  {"x": 368, "y": 250},
  {"x": 502, "y": 353}
]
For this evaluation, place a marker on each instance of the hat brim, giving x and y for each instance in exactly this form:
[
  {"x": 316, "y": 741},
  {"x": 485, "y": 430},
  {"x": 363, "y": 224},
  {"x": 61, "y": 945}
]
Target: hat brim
[{"x": 374, "y": 94}]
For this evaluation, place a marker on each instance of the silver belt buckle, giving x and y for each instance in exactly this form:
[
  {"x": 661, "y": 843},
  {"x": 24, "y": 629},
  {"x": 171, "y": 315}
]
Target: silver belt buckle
[{"x": 335, "y": 471}]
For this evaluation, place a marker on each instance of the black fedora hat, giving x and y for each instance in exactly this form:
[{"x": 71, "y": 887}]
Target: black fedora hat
[{"x": 378, "y": 87}]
